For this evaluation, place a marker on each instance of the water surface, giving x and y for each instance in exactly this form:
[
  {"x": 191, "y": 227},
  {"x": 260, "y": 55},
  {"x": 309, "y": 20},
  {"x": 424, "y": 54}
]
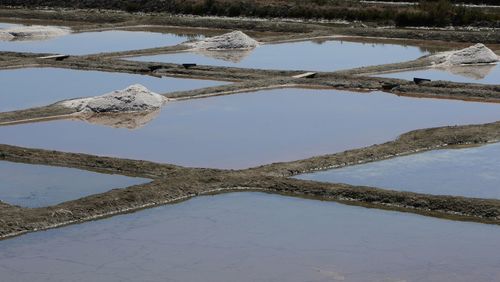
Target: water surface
[
  {"x": 250, "y": 129},
  {"x": 38, "y": 185},
  {"x": 257, "y": 237},
  {"x": 7, "y": 25},
  {"x": 471, "y": 172},
  {"x": 97, "y": 42},
  {"x": 30, "y": 87},
  {"x": 321, "y": 55},
  {"x": 489, "y": 74}
]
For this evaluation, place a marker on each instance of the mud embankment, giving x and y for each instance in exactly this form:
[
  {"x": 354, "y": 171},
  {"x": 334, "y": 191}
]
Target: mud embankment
[
  {"x": 132, "y": 168},
  {"x": 38, "y": 114}
]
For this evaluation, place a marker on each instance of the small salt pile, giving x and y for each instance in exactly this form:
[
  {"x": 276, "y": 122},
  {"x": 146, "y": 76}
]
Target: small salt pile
[
  {"x": 235, "y": 40},
  {"x": 135, "y": 98},
  {"x": 476, "y": 54},
  {"x": 34, "y": 32}
]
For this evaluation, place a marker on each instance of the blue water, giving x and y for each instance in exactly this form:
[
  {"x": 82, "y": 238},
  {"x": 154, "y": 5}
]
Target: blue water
[
  {"x": 471, "y": 172},
  {"x": 251, "y": 129},
  {"x": 310, "y": 55},
  {"x": 7, "y": 25},
  {"x": 257, "y": 237},
  {"x": 38, "y": 185},
  {"x": 30, "y": 87}
]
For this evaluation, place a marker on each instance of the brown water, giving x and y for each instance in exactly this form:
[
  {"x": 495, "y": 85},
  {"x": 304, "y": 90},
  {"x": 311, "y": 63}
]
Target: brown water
[
  {"x": 257, "y": 237},
  {"x": 246, "y": 130}
]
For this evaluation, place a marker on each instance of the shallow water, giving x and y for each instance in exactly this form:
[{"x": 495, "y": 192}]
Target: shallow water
[
  {"x": 471, "y": 172},
  {"x": 29, "y": 87},
  {"x": 322, "y": 56},
  {"x": 489, "y": 74},
  {"x": 7, "y": 25},
  {"x": 257, "y": 237},
  {"x": 38, "y": 185},
  {"x": 246, "y": 130},
  {"x": 97, "y": 42}
]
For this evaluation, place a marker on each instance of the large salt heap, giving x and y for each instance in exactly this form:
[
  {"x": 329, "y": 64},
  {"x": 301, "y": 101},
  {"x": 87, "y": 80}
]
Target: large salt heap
[
  {"x": 476, "y": 54},
  {"x": 34, "y": 32},
  {"x": 135, "y": 98},
  {"x": 235, "y": 40}
]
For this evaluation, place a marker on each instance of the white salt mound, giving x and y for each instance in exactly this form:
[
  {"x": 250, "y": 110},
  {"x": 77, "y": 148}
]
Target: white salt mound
[
  {"x": 34, "y": 32},
  {"x": 235, "y": 40},
  {"x": 135, "y": 98},
  {"x": 476, "y": 54},
  {"x": 5, "y": 36}
]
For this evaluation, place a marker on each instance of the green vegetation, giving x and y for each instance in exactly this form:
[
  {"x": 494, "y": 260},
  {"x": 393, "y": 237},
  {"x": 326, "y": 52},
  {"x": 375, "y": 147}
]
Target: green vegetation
[
  {"x": 426, "y": 13},
  {"x": 475, "y": 2},
  {"x": 443, "y": 13}
]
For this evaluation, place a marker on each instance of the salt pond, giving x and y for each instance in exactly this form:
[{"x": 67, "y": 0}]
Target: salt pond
[
  {"x": 29, "y": 87},
  {"x": 488, "y": 74},
  {"x": 471, "y": 172},
  {"x": 7, "y": 25},
  {"x": 97, "y": 42},
  {"x": 310, "y": 55},
  {"x": 257, "y": 237},
  {"x": 38, "y": 186},
  {"x": 250, "y": 129}
]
